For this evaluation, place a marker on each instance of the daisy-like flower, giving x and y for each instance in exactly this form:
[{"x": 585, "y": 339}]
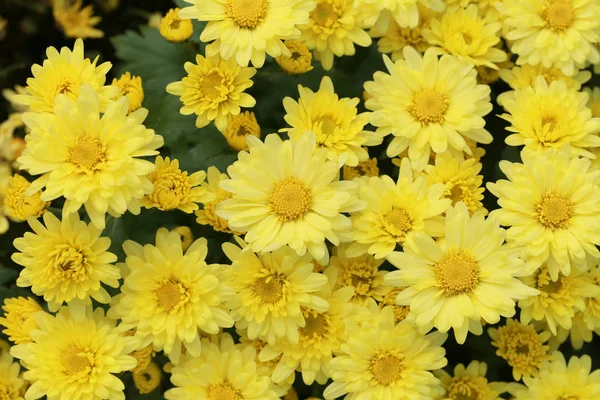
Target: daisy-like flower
[
  {"x": 285, "y": 193},
  {"x": 19, "y": 319},
  {"x": 76, "y": 356},
  {"x": 228, "y": 372},
  {"x": 394, "y": 211},
  {"x": 175, "y": 29},
  {"x": 130, "y": 86},
  {"x": 334, "y": 27},
  {"x": 561, "y": 381},
  {"x": 66, "y": 262},
  {"x": 75, "y": 20},
  {"x": 469, "y": 383},
  {"x": 551, "y": 204},
  {"x": 238, "y": 127},
  {"x": 270, "y": 291},
  {"x": 19, "y": 206},
  {"x": 428, "y": 103},
  {"x": 169, "y": 296},
  {"x": 461, "y": 180},
  {"x": 208, "y": 215},
  {"x": 458, "y": 282},
  {"x": 522, "y": 346},
  {"x": 336, "y": 122},
  {"x": 95, "y": 160},
  {"x": 468, "y": 36},
  {"x": 558, "y": 33},
  {"x": 12, "y": 384},
  {"x": 364, "y": 168},
  {"x": 174, "y": 189},
  {"x": 387, "y": 361},
  {"x": 65, "y": 73},
  {"x": 524, "y": 76},
  {"x": 213, "y": 89},
  {"x": 247, "y": 30},
  {"x": 299, "y": 61}
]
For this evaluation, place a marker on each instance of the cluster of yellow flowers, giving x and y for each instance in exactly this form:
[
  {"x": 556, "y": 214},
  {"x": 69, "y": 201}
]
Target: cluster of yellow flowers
[{"x": 347, "y": 276}]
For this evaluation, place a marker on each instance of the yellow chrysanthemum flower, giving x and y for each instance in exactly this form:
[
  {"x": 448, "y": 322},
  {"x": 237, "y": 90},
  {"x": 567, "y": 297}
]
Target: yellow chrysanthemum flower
[
  {"x": 66, "y": 262},
  {"x": 394, "y": 211},
  {"x": 458, "y": 282},
  {"x": 208, "y": 215},
  {"x": 286, "y": 193},
  {"x": 593, "y": 100},
  {"x": 95, "y": 160},
  {"x": 147, "y": 380},
  {"x": 76, "y": 356},
  {"x": 336, "y": 122},
  {"x": 469, "y": 383},
  {"x": 380, "y": 13},
  {"x": 558, "y": 33},
  {"x": 428, "y": 103},
  {"x": 130, "y": 86},
  {"x": 238, "y": 127},
  {"x": 551, "y": 204},
  {"x": 65, "y": 73},
  {"x": 466, "y": 35},
  {"x": 213, "y": 89},
  {"x": 364, "y": 168},
  {"x": 12, "y": 384},
  {"x": 524, "y": 76},
  {"x": 169, "y": 296},
  {"x": 389, "y": 300},
  {"x": 334, "y": 27},
  {"x": 299, "y": 61},
  {"x": 75, "y": 20},
  {"x": 19, "y": 206},
  {"x": 175, "y": 29},
  {"x": 270, "y": 291},
  {"x": 247, "y": 30},
  {"x": 174, "y": 189},
  {"x": 577, "y": 335},
  {"x": 461, "y": 180},
  {"x": 522, "y": 346},
  {"x": 561, "y": 381},
  {"x": 19, "y": 319},
  {"x": 387, "y": 361}
]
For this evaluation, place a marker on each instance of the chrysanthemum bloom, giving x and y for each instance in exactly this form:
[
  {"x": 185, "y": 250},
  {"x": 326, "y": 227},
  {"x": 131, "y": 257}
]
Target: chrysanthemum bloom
[
  {"x": 130, "y": 86},
  {"x": 66, "y": 262},
  {"x": 299, "y": 61},
  {"x": 551, "y": 204},
  {"x": 469, "y": 383},
  {"x": 395, "y": 210},
  {"x": 19, "y": 319},
  {"x": 593, "y": 100},
  {"x": 147, "y": 380},
  {"x": 336, "y": 122},
  {"x": 65, "y": 73},
  {"x": 174, "y": 189},
  {"x": 12, "y": 384},
  {"x": 76, "y": 356},
  {"x": 208, "y": 215},
  {"x": 228, "y": 371},
  {"x": 389, "y": 300},
  {"x": 364, "y": 168},
  {"x": 387, "y": 361},
  {"x": 213, "y": 90},
  {"x": 466, "y": 35},
  {"x": 286, "y": 193},
  {"x": 522, "y": 346},
  {"x": 406, "y": 13},
  {"x": 247, "y": 30},
  {"x": 561, "y": 381},
  {"x": 334, "y": 27},
  {"x": 95, "y": 160},
  {"x": 270, "y": 290},
  {"x": 558, "y": 33},
  {"x": 524, "y": 76},
  {"x": 175, "y": 29},
  {"x": 461, "y": 180},
  {"x": 19, "y": 206},
  {"x": 238, "y": 127},
  {"x": 75, "y": 20},
  {"x": 458, "y": 282},
  {"x": 428, "y": 103}
]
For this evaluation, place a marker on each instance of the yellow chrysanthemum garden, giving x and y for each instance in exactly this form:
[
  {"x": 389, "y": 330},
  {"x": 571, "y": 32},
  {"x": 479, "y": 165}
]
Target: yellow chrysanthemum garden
[{"x": 300, "y": 200}]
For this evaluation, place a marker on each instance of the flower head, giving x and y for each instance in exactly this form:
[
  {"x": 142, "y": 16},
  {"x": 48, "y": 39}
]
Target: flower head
[
  {"x": 299, "y": 61},
  {"x": 406, "y": 13},
  {"x": 524, "y": 76},
  {"x": 130, "y": 86},
  {"x": 12, "y": 384},
  {"x": 239, "y": 127},
  {"x": 208, "y": 214},
  {"x": 19, "y": 318},
  {"x": 469, "y": 383},
  {"x": 148, "y": 379},
  {"x": 364, "y": 168},
  {"x": 18, "y": 205},
  {"x": 75, "y": 20},
  {"x": 174, "y": 28}
]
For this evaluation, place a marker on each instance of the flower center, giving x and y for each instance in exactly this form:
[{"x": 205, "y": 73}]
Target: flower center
[
  {"x": 429, "y": 107},
  {"x": 466, "y": 37},
  {"x": 398, "y": 223},
  {"x": 554, "y": 211},
  {"x": 457, "y": 272},
  {"x": 559, "y": 14},
  {"x": 213, "y": 86},
  {"x": 247, "y": 14},
  {"x": 223, "y": 391},
  {"x": 64, "y": 87},
  {"x": 170, "y": 190},
  {"x": 359, "y": 274},
  {"x": 324, "y": 14},
  {"x": 386, "y": 368},
  {"x": 269, "y": 288},
  {"x": 316, "y": 325},
  {"x": 76, "y": 361},
  {"x": 87, "y": 153},
  {"x": 69, "y": 263},
  {"x": 462, "y": 388},
  {"x": 171, "y": 295},
  {"x": 327, "y": 125},
  {"x": 290, "y": 199}
]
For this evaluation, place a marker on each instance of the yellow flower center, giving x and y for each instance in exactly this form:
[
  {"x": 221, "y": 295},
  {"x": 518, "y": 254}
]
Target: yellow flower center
[
  {"x": 325, "y": 14},
  {"x": 290, "y": 199},
  {"x": 359, "y": 273},
  {"x": 300, "y": 60},
  {"x": 269, "y": 288},
  {"x": 172, "y": 295},
  {"x": 65, "y": 87},
  {"x": 171, "y": 189},
  {"x": 247, "y": 14},
  {"x": 316, "y": 325},
  {"x": 521, "y": 347},
  {"x": 87, "y": 153},
  {"x": 429, "y": 107},
  {"x": 70, "y": 263},
  {"x": 76, "y": 361},
  {"x": 466, "y": 37},
  {"x": 18, "y": 205},
  {"x": 238, "y": 127},
  {"x": 214, "y": 86},
  {"x": 397, "y": 223},
  {"x": 223, "y": 391},
  {"x": 559, "y": 14},
  {"x": 387, "y": 368},
  {"x": 457, "y": 272},
  {"x": 327, "y": 125},
  {"x": 554, "y": 211},
  {"x": 389, "y": 300}
]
